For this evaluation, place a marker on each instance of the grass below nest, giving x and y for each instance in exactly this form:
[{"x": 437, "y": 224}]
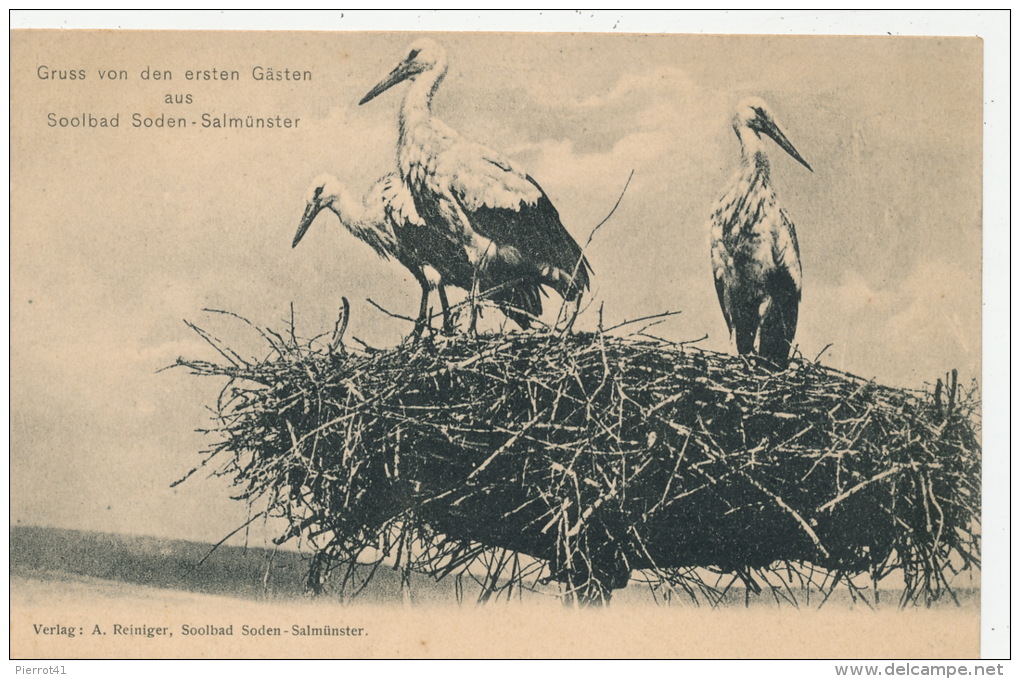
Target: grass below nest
[{"x": 526, "y": 458}]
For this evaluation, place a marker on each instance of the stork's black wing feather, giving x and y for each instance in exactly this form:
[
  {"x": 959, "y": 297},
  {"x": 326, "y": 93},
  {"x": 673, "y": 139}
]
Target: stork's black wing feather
[
  {"x": 516, "y": 289},
  {"x": 423, "y": 245},
  {"x": 511, "y": 209},
  {"x": 720, "y": 291},
  {"x": 779, "y": 325}
]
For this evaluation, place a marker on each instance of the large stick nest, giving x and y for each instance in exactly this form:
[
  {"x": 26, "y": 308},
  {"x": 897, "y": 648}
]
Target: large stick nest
[{"x": 522, "y": 458}]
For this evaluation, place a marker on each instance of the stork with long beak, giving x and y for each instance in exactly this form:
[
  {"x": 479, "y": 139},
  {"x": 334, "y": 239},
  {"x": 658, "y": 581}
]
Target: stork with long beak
[
  {"x": 387, "y": 221},
  {"x": 755, "y": 255},
  {"x": 499, "y": 216}
]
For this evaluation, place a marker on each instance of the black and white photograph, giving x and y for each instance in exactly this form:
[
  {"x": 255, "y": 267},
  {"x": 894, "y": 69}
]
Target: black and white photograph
[{"x": 598, "y": 342}]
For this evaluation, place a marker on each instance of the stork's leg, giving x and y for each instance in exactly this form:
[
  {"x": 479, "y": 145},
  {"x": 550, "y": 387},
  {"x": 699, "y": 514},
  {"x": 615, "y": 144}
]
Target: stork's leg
[
  {"x": 569, "y": 311},
  {"x": 745, "y": 333},
  {"x": 473, "y": 299},
  {"x": 481, "y": 266},
  {"x": 448, "y": 328},
  {"x": 745, "y": 325},
  {"x": 779, "y": 322},
  {"x": 423, "y": 309}
]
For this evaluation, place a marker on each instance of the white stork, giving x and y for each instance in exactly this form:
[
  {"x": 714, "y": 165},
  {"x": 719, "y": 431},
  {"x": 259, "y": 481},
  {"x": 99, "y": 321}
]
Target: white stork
[
  {"x": 497, "y": 214},
  {"x": 387, "y": 221},
  {"x": 755, "y": 256}
]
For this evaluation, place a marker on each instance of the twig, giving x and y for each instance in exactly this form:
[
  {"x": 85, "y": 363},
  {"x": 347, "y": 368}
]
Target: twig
[
  {"x": 390, "y": 313},
  {"x": 859, "y": 487},
  {"x": 822, "y": 352},
  {"x": 591, "y": 237},
  {"x": 341, "y": 324},
  {"x": 234, "y": 359},
  {"x": 641, "y": 319},
  {"x": 225, "y": 538}
]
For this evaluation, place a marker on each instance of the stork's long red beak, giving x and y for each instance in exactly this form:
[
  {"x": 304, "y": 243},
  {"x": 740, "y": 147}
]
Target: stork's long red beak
[
  {"x": 306, "y": 220},
  {"x": 772, "y": 130},
  {"x": 400, "y": 73}
]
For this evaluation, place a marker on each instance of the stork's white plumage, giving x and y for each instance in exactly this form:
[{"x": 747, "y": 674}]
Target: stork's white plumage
[
  {"x": 376, "y": 221},
  {"x": 755, "y": 255},
  {"x": 500, "y": 216},
  {"x": 386, "y": 219}
]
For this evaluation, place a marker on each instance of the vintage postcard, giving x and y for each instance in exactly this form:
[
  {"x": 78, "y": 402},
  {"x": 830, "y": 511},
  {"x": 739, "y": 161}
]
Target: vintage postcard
[{"x": 391, "y": 344}]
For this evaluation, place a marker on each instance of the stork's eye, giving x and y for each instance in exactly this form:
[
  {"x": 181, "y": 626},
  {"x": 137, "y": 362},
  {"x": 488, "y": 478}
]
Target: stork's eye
[{"x": 413, "y": 54}]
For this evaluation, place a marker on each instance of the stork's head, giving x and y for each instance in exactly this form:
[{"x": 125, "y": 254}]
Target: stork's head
[
  {"x": 754, "y": 114},
  {"x": 321, "y": 194},
  {"x": 423, "y": 56}
]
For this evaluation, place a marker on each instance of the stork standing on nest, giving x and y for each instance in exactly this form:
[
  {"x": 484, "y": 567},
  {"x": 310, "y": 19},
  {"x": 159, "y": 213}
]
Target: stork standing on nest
[
  {"x": 387, "y": 221},
  {"x": 755, "y": 256},
  {"x": 498, "y": 215}
]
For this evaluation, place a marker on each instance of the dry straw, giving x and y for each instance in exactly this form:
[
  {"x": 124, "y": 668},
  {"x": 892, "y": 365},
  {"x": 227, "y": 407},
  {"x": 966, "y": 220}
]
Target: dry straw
[{"x": 521, "y": 459}]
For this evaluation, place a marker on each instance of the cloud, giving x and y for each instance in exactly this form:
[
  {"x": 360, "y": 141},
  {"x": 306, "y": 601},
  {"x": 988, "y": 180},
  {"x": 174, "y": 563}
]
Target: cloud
[
  {"x": 664, "y": 83},
  {"x": 904, "y": 334}
]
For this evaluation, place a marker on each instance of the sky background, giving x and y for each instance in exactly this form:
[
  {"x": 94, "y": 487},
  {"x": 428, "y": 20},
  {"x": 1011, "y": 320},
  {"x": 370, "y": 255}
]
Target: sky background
[{"x": 119, "y": 235}]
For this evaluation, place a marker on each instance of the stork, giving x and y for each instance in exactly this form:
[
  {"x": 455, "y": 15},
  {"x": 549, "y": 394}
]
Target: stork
[
  {"x": 755, "y": 256},
  {"x": 387, "y": 221},
  {"x": 497, "y": 214}
]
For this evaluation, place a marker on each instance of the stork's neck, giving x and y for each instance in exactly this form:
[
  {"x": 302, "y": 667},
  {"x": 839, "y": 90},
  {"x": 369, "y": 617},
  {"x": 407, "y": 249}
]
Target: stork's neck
[
  {"x": 417, "y": 104},
  {"x": 348, "y": 209},
  {"x": 753, "y": 159},
  {"x": 360, "y": 220},
  {"x": 416, "y": 108},
  {"x": 752, "y": 149}
]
